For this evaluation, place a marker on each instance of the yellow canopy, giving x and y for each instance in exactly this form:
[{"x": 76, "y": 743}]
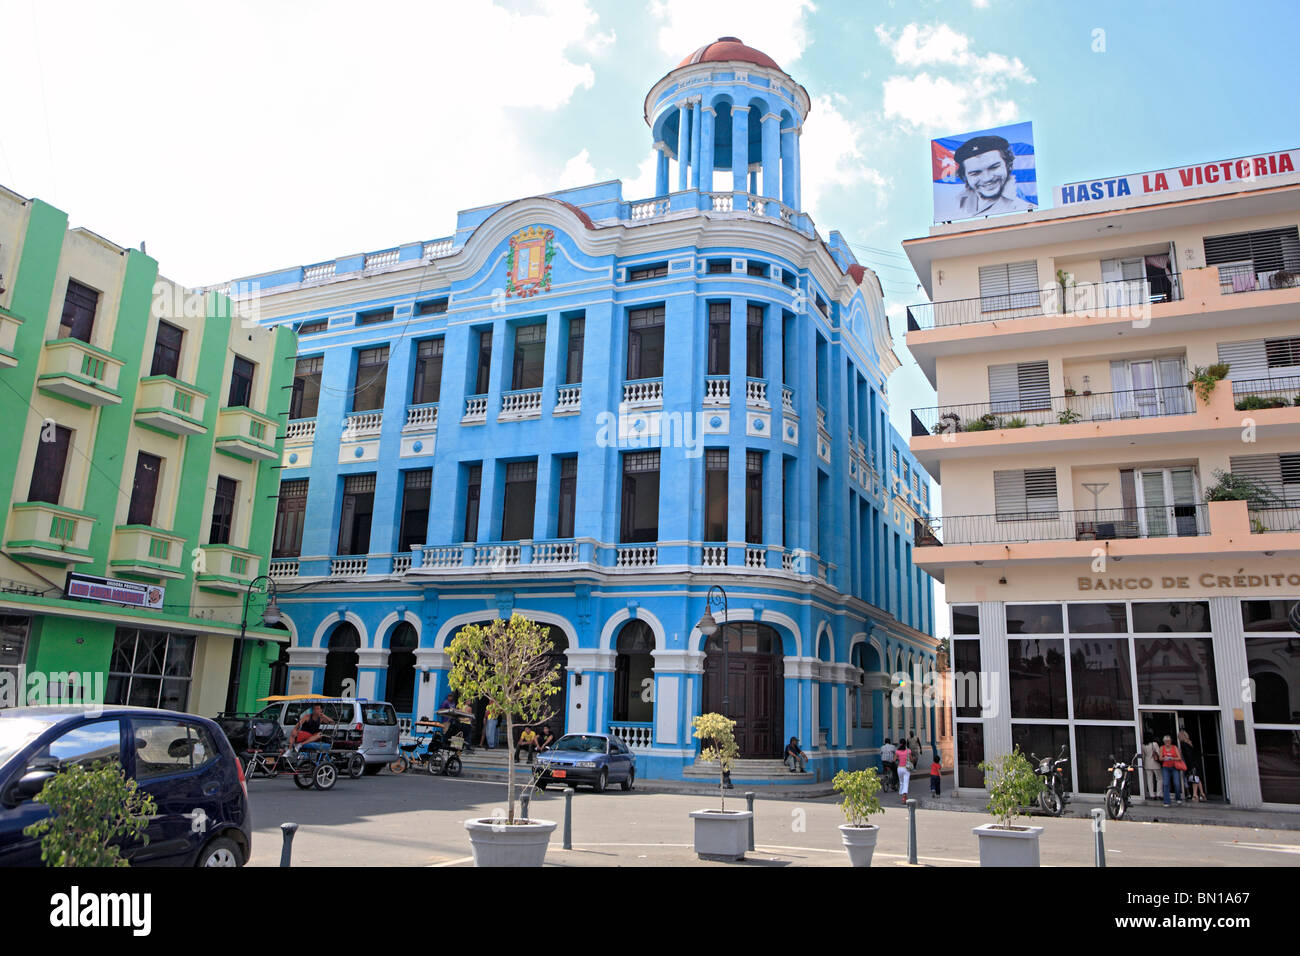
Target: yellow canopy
[{"x": 275, "y": 699}]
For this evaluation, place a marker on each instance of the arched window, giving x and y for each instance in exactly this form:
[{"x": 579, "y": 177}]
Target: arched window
[{"x": 400, "y": 690}]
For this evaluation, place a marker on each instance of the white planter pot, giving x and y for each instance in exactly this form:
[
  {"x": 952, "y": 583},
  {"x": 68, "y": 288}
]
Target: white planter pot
[
  {"x": 999, "y": 847},
  {"x": 496, "y": 844},
  {"x": 860, "y": 842},
  {"x": 721, "y": 835}
]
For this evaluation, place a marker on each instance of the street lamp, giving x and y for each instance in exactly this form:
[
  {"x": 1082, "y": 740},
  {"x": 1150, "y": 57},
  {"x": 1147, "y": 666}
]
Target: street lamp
[
  {"x": 270, "y": 618},
  {"x": 708, "y": 627}
]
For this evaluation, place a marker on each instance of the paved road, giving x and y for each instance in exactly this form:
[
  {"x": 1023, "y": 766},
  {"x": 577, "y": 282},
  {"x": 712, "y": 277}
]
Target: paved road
[{"x": 417, "y": 820}]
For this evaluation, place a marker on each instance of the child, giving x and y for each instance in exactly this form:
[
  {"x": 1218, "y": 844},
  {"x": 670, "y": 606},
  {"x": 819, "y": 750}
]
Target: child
[
  {"x": 1194, "y": 781},
  {"x": 936, "y": 773}
]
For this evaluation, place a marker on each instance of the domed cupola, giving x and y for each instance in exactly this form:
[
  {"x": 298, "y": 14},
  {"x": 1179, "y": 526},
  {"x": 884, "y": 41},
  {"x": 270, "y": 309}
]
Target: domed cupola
[{"x": 729, "y": 108}]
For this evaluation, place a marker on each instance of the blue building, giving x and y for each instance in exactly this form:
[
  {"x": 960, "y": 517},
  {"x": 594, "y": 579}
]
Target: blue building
[{"x": 589, "y": 410}]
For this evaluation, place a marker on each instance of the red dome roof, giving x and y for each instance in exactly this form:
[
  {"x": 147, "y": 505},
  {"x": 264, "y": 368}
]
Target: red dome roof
[{"x": 729, "y": 48}]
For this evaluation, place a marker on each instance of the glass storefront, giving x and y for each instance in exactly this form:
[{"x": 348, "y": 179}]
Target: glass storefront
[{"x": 150, "y": 669}]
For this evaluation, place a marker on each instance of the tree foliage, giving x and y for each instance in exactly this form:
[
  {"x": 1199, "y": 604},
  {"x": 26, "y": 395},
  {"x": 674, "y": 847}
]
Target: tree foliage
[
  {"x": 717, "y": 736},
  {"x": 508, "y": 664},
  {"x": 92, "y": 812}
]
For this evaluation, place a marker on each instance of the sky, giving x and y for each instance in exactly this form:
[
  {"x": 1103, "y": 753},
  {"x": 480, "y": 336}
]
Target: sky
[{"x": 241, "y": 137}]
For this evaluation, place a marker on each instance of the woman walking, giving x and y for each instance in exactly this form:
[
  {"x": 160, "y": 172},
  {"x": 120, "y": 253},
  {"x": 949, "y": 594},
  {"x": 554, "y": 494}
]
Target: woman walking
[{"x": 904, "y": 770}]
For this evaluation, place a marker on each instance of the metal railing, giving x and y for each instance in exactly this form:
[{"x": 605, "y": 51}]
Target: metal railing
[
  {"x": 1088, "y": 524},
  {"x": 1054, "y": 410},
  {"x": 1280, "y": 517},
  {"x": 1080, "y": 298},
  {"x": 1251, "y": 277},
  {"x": 1258, "y": 393}
]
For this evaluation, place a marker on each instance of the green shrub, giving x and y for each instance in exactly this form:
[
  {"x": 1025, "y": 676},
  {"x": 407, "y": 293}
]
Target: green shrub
[
  {"x": 1230, "y": 487},
  {"x": 1016, "y": 422},
  {"x": 92, "y": 811},
  {"x": 717, "y": 736},
  {"x": 1012, "y": 785},
  {"x": 860, "y": 801},
  {"x": 1068, "y": 416}
]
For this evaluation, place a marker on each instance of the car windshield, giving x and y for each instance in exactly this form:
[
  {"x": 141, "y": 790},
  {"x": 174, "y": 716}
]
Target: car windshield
[
  {"x": 269, "y": 712},
  {"x": 17, "y": 732},
  {"x": 584, "y": 743}
]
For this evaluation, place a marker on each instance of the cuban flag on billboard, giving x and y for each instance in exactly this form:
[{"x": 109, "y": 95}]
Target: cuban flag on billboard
[{"x": 984, "y": 173}]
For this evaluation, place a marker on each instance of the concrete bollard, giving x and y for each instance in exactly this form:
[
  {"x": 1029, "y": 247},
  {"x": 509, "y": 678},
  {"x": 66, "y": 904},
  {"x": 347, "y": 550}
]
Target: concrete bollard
[
  {"x": 749, "y": 804},
  {"x": 911, "y": 830},
  {"x": 568, "y": 817},
  {"x": 1099, "y": 841},
  {"x": 286, "y": 848}
]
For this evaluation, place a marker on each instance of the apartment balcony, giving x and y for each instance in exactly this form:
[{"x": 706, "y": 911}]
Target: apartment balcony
[
  {"x": 9, "y": 325},
  {"x": 170, "y": 405},
  {"x": 717, "y": 391},
  {"x": 148, "y": 552},
  {"x": 1266, "y": 395},
  {"x": 568, "y": 400},
  {"x": 49, "y": 533},
  {"x": 246, "y": 434},
  {"x": 1152, "y": 416},
  {"x": 1282, "y": 518},
  {"x": 1194, "y": 299},
  {"x": 281, "y": 568},
  {"x": 300, "y": 431},
  {"x": 1219, "y": 529},
  {"x": 227, "y": 568},
  {"x": 520, "y": 405},
  {"x": 78, "y": 371},
  {"x": 475, "y": 410},
  {"x": 421, "y": 419},
  {"x": 644, "y": 393},
  {"x": 756, "y": 393}
]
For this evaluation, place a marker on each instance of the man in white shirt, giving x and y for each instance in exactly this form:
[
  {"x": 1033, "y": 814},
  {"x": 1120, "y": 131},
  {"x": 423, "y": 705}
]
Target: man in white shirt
[{"x": 889, "y": 761}]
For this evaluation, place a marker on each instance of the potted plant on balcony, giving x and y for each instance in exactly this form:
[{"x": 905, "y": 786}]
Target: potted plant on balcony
[
  {"x": 720, "y": 834},
  {"x": 1012, "y": 786},
  {"x": 1230, "y": 487},
  {"x": 1204, "y": 378},
  {"x": 507, "y": 663},
  {"x": 860, "y": 802}
]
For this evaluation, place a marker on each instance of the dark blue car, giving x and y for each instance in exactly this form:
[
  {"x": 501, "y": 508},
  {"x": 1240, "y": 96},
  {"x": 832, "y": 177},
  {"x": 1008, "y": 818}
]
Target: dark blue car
[
  {"x": 182, "y": 760},
  {"x": 596, "y": 760}
]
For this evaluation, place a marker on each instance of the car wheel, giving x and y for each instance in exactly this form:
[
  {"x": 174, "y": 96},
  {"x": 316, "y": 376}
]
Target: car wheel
[
  {"x": 222, "y": 851},
  {"x": 325, "y": 776},
  {"x": 631, "y": 779},
  {"x": 356, "y": 766},
  {"x": 374, "y": 768},
  {"x": 400, "y": 765},
  {"x": 304, "y": 778},
  {"x": 452, "y": 767},
  {"x": 601, "y": 782}
]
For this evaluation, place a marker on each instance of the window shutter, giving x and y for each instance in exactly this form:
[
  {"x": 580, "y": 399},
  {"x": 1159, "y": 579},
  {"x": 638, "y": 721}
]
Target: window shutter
[
  {"x": 1264, "y": 469},
  {"x": 1246, "y": 360},
  {"x": 1040, "y": 491},
  {"x": 1283, "y": 356},
  {"x": 1009, "y": 494},
  {"x": 1021, "y": 494},
  {"x": 1035, "y": 392},
  {"x": 1290, "y": 468},
  {"x": 1004, "y": 387},
  {"x": 1268, "y": 249}
]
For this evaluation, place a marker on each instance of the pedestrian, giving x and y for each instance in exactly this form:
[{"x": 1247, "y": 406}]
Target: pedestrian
[
  {"x": 1191, "y": 758},
  {"x": 488, "y": 738},
  {"x": 889, "y": 764},
  {"x": 527, "y": 744},
  {"x": 936, "y": 773},
  {"x": 1151, "y": 763},
  {"x": 904, "y": 770},
  {"x": 795, "y": 758},
  {"x": 1172, "y": 767},
  {"x": 547, "y": 739},
  {"x": 1195, "y": 788},
  {"x": 914, "y": 748}
]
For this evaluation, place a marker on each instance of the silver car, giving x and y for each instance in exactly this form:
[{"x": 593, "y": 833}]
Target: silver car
[{"x": 370, "y": 726}]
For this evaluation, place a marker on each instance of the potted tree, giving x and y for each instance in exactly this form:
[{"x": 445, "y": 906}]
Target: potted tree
[
  {"x": 720, "y": 834},
  {"x": 1012, "y": 786},
  {"x": 860, "y": 802},
  {"x": 508, "y": 664}
]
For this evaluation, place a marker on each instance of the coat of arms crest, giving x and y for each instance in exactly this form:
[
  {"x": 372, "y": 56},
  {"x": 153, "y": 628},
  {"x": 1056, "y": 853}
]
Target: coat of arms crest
[{"x": 528, "y": 263}]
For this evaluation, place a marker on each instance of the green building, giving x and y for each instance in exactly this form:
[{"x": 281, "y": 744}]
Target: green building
[{"x": 141, "y": 426}]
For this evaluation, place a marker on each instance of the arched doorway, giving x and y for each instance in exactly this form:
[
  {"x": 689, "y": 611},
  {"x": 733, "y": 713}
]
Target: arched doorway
[
  {"x": 756, "y": 686},
  {"x": 400, "y": 688},
  {"x": 557, "y": 702},
  {"x": 280, "y": 672},
  {"x": 341, "y": 661},
  {"x": 825, "y": 692},
  {"x": 634, "y": 673}
]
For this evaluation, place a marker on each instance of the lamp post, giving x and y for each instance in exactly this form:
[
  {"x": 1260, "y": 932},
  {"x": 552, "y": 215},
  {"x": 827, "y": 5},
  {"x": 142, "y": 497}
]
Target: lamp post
[
  {"x": 270, "y": 617},
  {"x": 708, "y": 627}
]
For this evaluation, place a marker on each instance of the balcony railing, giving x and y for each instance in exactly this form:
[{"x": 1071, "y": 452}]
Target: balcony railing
[
  {"x": 568, "y": 399},
  {"x": 446, "y": 556},
  {"x": 1088, "y": 298},
  {"x": 756, "y": 557},
  {"x": 638, "y": 736},
  {"x": 717, "y": 390},
  {"x": 300, "y": 431},
  {"x": 756, "y": 392},
  {"x": 555, "y": 552},
  {"x": 1253, "y": 277},
  {"x": 496, "y": 555},
  {"x": 421, "y": 417},
  {"x": 787, "y": 399},
  {"x": 1056, "y": 410},
  {"x": 1260, "y": 393},
  {"x": 401, "y": 563},
  {"x": 362, "y": 425},
  {"x": 283, "y": 568},
  {"x": 1281, "y": 517},
  {"x": 348, "y": 566},
  {"x": 522, "y": 403},
  {"x": 1089, "y": 524},
  {"x": 646, "y": 391},
  {"x": 636, "y": 556},
  {"x": 713, "y": 556},
  {"x": 475, "y": 410}
]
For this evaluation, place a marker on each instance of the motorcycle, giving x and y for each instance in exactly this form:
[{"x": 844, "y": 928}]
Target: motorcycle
[
  {"x": 1120, "y": 789},
  {"x": 1053, "y": 798}
]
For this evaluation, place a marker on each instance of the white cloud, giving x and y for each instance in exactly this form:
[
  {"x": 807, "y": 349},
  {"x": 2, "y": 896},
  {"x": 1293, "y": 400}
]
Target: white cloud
[
  {"x": 833, "y": 154},
  {"x": 778, "y": 28},
  {"x": 959, "y": 89},
  {"x": 279, "y": 134}
]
